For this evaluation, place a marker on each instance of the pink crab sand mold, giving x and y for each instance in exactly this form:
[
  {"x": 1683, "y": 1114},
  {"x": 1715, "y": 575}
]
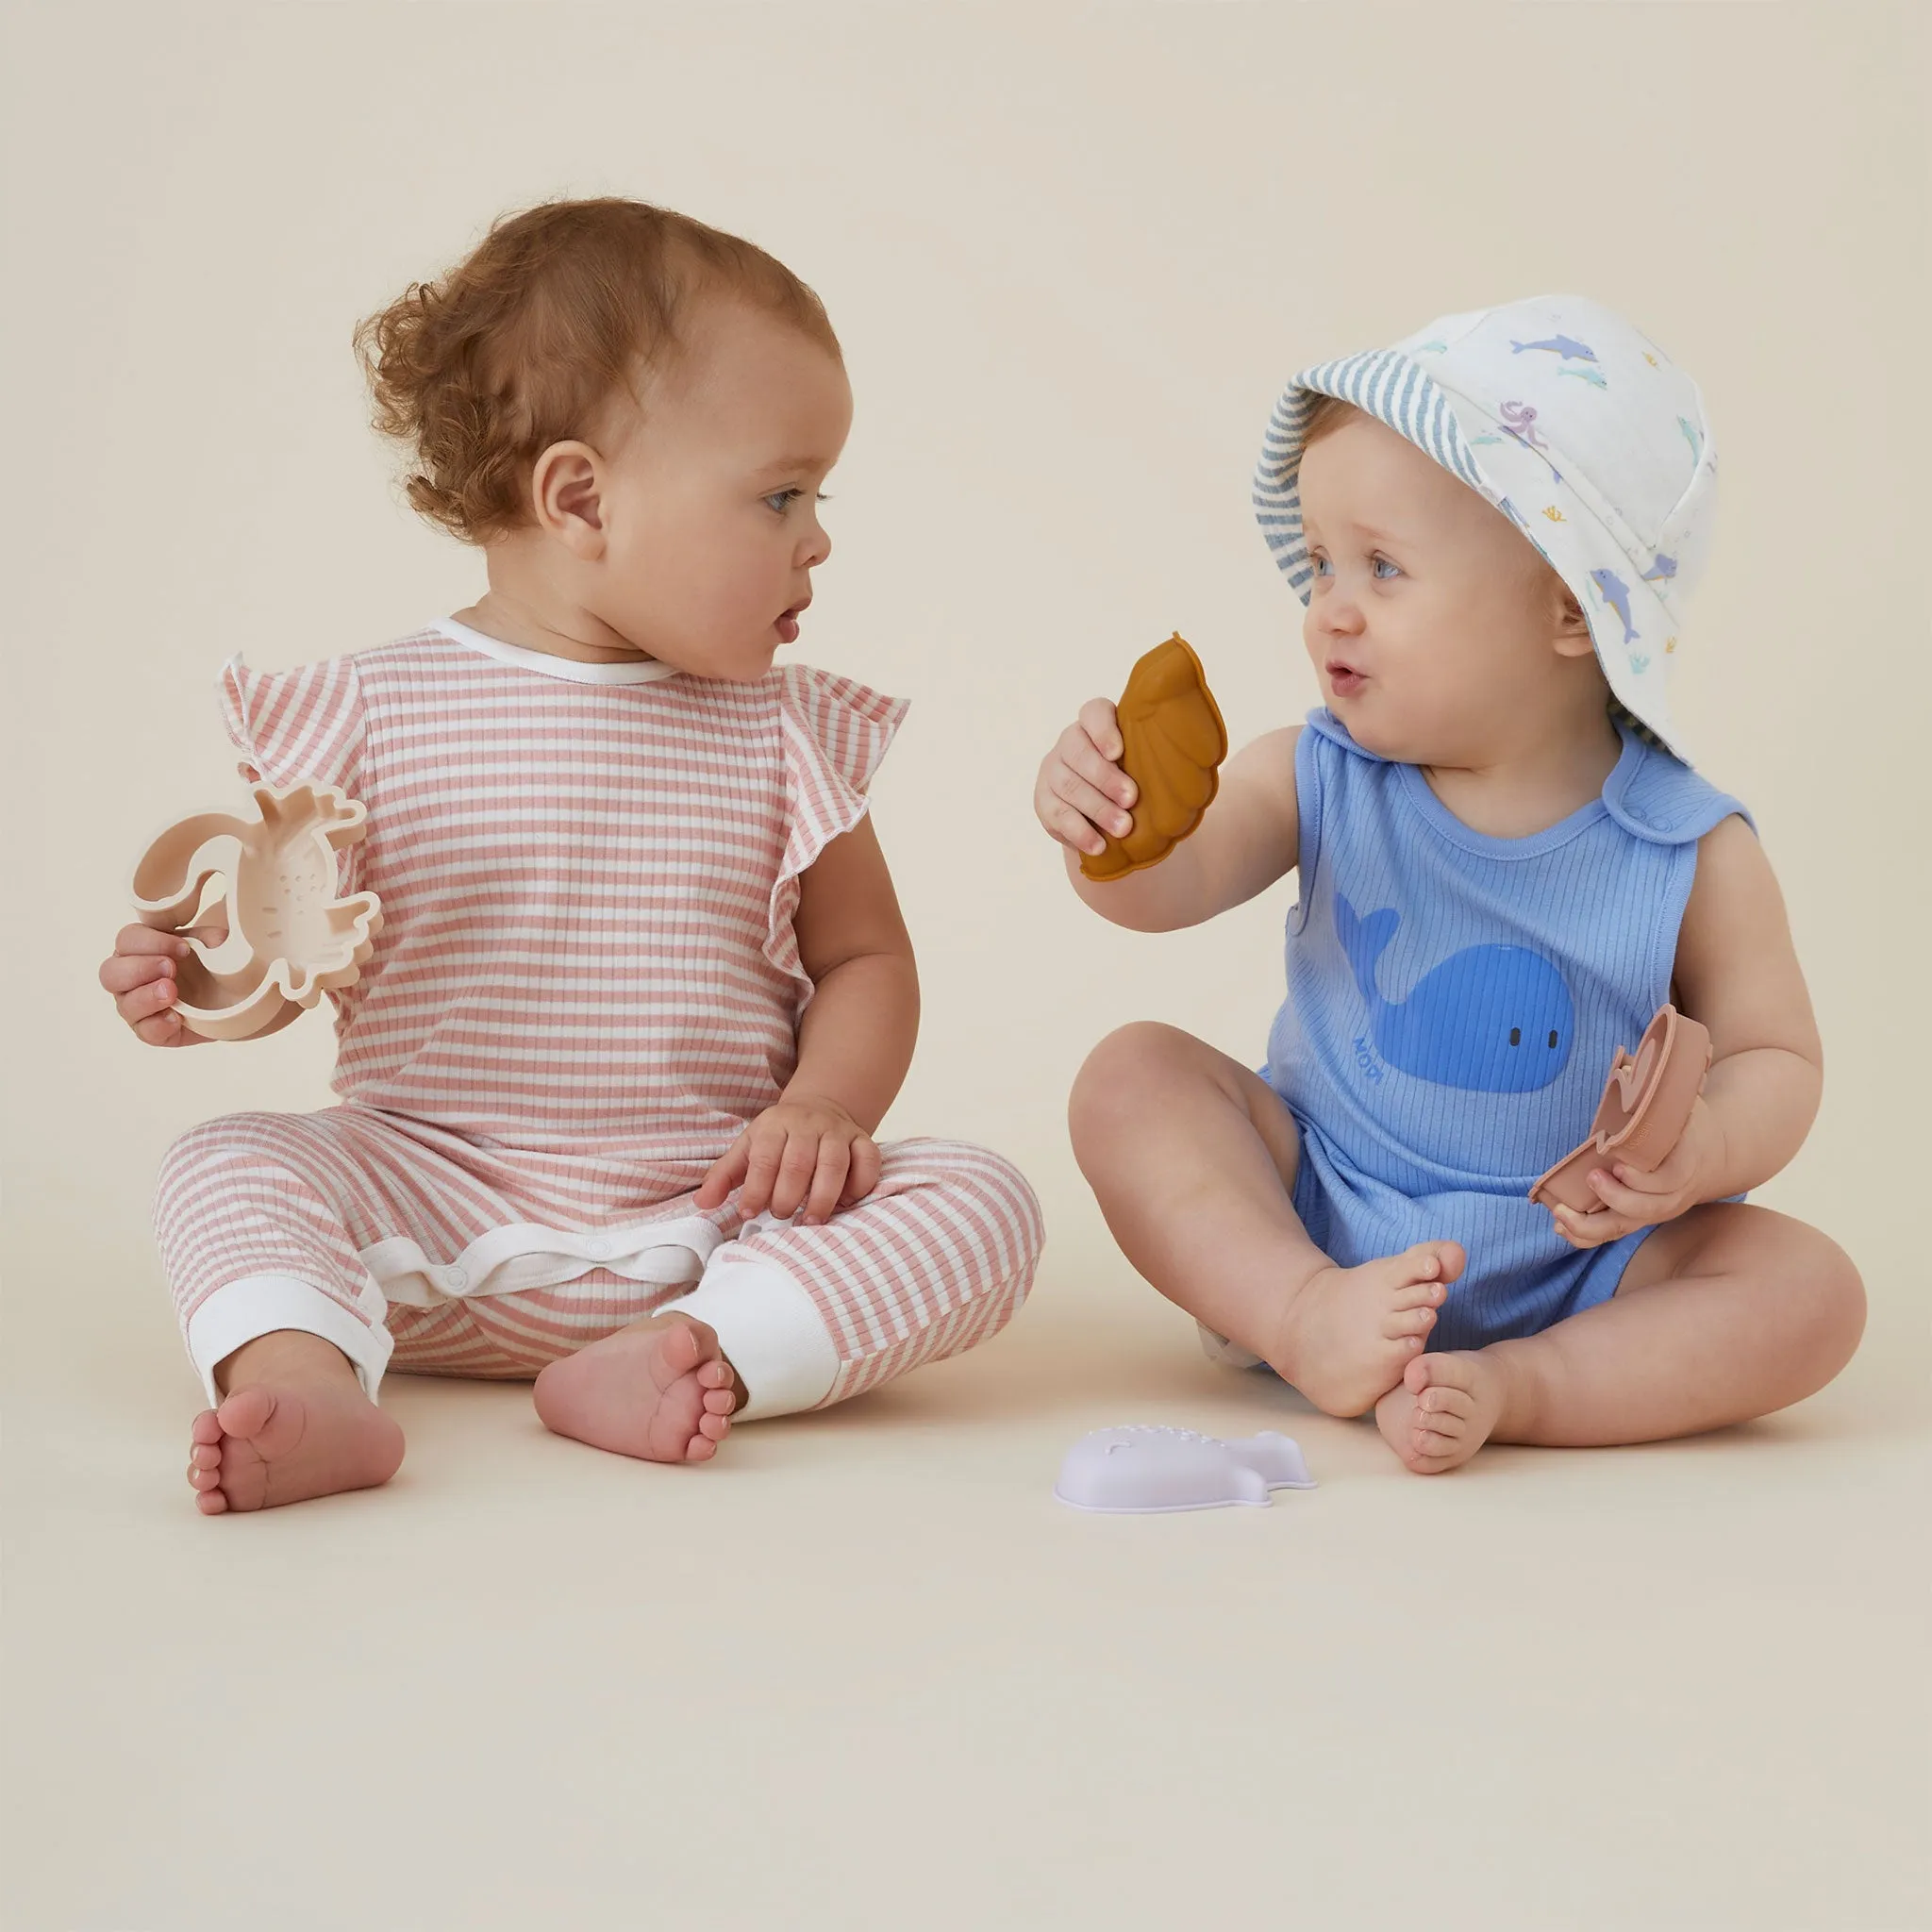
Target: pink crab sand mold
[
  {"x": 1646, "y": 1107},
  {"x": 1143, "y": 1468},
  {"x": 291, "y": 939}
]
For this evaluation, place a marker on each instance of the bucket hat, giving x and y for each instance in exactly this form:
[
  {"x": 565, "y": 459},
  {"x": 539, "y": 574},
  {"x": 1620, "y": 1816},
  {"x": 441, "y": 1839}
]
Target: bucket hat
[{"x": 1573, "y": 424}]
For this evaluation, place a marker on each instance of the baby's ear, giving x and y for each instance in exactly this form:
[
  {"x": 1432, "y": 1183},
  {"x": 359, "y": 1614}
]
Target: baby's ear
[
  {"x": 566, "y": 490},
  {"x": 1572, "y": 627}
]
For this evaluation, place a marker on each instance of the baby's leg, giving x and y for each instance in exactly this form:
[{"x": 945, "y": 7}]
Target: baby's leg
[
  {"x": 260, "y": 1218},
  {"x": 1728, "y": 1313},
  {"x": 935, "y": 1259},
  {"x": 1192, "y": 1160}
]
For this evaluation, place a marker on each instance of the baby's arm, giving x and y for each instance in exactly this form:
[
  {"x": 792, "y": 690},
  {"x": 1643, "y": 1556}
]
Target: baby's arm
[
  {"x": 1736, "y": 972},
  {"x": 813, "y": 1151},
  {"x": 1247, "y": 840},
  {"x": 856, "y": 1040}
]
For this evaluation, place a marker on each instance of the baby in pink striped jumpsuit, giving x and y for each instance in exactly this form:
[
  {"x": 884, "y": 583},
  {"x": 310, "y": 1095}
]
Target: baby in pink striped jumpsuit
[{"x": 642, "y": 991}]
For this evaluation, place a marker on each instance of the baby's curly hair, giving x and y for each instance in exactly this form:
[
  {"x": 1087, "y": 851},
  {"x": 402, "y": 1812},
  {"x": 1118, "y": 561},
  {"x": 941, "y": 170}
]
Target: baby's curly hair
[{"x": 521, "y": 345}]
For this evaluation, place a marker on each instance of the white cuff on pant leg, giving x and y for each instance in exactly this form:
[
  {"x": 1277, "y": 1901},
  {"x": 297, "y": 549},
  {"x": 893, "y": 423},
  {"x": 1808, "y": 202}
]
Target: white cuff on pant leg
[
  {"x": 244, "y": 1310},
  {"x": 770, "y": 1329}
]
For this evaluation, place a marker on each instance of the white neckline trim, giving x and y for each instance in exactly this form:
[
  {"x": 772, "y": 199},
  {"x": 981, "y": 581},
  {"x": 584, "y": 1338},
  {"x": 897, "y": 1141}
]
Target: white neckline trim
[{"x": 546, "y": 664}]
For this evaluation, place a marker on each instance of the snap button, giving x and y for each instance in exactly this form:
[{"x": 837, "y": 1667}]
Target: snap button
[
  {"x": 457, "y": 1278},
  {"x": 598, "y": 1249}
]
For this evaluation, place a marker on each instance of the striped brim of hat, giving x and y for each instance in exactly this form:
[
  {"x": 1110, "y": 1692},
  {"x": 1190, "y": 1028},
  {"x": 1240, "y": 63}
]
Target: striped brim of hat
[{"x": 1571, "y": 423}]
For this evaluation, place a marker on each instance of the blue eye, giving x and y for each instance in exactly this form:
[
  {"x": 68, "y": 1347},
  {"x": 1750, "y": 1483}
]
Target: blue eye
[
  {"x": 1392, "y": 572},
  {"x": 782, "y": 500},
  {"x": 1323, "y": 567}
]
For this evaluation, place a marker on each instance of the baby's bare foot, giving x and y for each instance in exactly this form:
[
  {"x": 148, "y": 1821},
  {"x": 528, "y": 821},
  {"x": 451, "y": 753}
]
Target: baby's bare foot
[
  {"x": 1443, "y": 1410},
  {"x": 659, "y": 1389},
  {"x": 1347, "y": 1333},
  {"x": 293, "y": 1425}
]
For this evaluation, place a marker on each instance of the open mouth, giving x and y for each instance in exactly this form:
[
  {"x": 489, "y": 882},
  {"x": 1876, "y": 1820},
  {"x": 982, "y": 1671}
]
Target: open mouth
[
  {"x": 786, "y": 625},
  {"x": 1345, "y": 680}
]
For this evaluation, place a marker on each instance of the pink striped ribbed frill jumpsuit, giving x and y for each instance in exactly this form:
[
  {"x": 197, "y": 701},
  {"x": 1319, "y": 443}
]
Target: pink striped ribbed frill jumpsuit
[{"x": 587, "y": 982}]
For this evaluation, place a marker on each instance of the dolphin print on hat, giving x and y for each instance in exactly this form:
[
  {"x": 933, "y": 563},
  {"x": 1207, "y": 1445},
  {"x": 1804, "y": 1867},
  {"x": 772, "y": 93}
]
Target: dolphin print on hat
[{"x": 1570, "y": 422}]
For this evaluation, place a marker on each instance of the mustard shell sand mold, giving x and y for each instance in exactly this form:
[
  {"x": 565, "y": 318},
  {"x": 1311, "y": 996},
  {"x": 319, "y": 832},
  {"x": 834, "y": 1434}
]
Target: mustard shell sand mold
[
  {"x": 1142, "y": 1469},
  {"x": 1173, "y": 742},
  {"x": 290, "y": 938}
]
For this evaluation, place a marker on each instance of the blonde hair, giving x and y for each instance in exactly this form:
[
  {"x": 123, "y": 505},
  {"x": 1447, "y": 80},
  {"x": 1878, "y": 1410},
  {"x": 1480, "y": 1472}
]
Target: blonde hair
[{"x": 523, "y": 342}]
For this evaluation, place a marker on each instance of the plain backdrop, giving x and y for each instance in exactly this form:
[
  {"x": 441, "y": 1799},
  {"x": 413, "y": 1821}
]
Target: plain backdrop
[{"x": 864, "y": 1671}]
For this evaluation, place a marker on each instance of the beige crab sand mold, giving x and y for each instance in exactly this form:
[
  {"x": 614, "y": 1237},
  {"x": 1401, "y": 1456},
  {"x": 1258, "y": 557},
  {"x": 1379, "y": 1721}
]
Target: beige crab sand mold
[{"x": 290, "y": 937}]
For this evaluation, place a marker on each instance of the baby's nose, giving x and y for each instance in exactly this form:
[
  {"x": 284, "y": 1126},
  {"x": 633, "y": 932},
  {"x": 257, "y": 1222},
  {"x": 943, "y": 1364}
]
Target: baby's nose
[{"x": 1336, "y": 615}]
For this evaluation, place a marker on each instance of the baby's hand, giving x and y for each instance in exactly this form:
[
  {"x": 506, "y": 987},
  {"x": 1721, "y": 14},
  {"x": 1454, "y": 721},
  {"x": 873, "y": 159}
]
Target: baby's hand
[
  {"x": 1081, "y": 789},
  {"x": 803, "y": 1152},
  {"x": 141, "y": 975},
  {"x": 1635, "y": 1198}
]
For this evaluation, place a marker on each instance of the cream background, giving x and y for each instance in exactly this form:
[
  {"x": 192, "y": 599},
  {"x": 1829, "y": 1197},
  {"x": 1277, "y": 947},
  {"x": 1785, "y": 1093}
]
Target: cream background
[{"x": 864, "y": 1671}]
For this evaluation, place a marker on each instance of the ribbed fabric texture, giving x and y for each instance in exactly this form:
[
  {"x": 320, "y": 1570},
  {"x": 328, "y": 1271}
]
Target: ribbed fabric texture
[
  {"x": 585, "y": 984},
  {"x": 1384, "y": 383},
  {"x": 1455, "y": 1001}
]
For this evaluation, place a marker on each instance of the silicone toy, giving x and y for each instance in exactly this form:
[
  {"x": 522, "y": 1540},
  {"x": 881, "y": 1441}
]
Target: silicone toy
[
  {"x": 1172, "y": 742},
  {"x": 1140, "y": 1469},
  {"x": 1218, "y": 1348},
  {"x": 290, "y": 938},
  {"x": 1646, "y": 1107}
]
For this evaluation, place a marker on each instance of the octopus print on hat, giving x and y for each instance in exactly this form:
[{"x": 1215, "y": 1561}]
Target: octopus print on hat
[{"x": 1576, "y": 428}]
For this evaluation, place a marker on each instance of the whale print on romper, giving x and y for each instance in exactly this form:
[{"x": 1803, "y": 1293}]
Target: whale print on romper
[{"x": 1488, "y": 1018}]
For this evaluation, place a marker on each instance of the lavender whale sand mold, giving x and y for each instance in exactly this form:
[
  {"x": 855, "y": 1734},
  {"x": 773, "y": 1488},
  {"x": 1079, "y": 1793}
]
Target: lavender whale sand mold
[{"x": 1141, "y": 1467}]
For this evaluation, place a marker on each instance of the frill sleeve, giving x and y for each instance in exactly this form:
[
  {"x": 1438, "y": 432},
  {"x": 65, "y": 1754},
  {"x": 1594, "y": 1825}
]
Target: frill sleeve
[
  {"x": 295, "y": 724},
  {"x": 835, "y": 733},
  {"x": 304, "y": 723}
]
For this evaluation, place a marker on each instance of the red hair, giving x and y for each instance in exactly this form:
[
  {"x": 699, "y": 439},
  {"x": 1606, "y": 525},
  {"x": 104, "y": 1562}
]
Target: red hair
[{"x": 522, "y": 343}]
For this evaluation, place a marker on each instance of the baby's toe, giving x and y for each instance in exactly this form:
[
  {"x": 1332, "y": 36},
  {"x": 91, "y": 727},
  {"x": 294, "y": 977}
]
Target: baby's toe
[
  {"x": 247, "y": 1413},
  {"x": 714, "y": 1374},
  {"x": 1442, "y": 1371},
  {"x": 714, "y": 1427},
  {"x": 700, "y": 1449},
  {"x": 207, "y": 1431},
  {"x": 1409, "y": 1322},
  {"x": 720, "y": 1401},
  {"x": 1424, "y": 1293},
  {"x": 678, "y": 1354}
]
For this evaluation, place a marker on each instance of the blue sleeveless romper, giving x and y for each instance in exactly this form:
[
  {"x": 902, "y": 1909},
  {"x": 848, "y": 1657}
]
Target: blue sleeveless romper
[{"x": 1454, "y": 1003}]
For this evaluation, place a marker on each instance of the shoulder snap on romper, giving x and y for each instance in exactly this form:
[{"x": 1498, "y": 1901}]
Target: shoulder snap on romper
[
  {"x": 585, "y": 984},
  {"x": 1454, "y": 1003}
]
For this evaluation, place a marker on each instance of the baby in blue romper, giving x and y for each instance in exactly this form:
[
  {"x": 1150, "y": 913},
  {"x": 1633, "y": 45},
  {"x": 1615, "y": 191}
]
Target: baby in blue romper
[{"x": 1506, "y": 865}]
